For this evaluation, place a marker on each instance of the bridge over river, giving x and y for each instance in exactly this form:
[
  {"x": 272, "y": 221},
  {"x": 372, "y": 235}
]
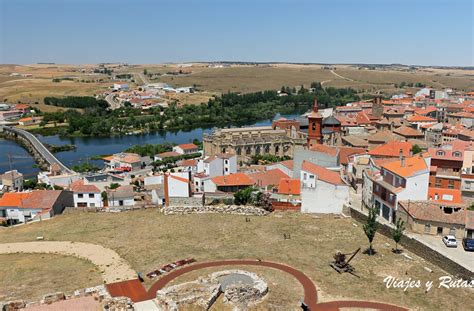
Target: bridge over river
[{"x": 37, "y": 145}]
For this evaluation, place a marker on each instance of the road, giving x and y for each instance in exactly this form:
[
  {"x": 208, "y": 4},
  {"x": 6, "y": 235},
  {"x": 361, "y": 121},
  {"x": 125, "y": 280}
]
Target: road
[
  {"x": 45, "y": 153},
  {"x": 458, "y": 254},
  {"x": 338, "y": 75},
  {"x": 112, "y": 103}
]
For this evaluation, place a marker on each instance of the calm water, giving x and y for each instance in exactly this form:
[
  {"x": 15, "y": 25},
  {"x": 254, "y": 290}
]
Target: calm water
[{"x": 91, "y": 146}]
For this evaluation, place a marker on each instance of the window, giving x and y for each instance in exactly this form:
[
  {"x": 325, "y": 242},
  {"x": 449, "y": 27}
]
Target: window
[
  {"x": 440, "y": 153},
  {"x": 226, "y": 161},
  {"x": 81, "y": 204},
  {"x": 452, "y": 231},
  {"x": 226, "y": 169},
  {"x": 377, "y": 187},
  {"x": 80, "y": 195},
  {"x": 92, "y": 204},
  {"x": 457, "y": 154},
  {"x": 304, "y": 176},
  {"x": 91, "y": 195},
  {"x": 427, "y": 228},
  {"x": 451, "y": 184},
  {"x": 311, "y": 176}
]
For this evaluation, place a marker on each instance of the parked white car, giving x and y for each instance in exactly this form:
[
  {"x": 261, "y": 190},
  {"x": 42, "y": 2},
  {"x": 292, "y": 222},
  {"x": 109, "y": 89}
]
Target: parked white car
[{"x": 450, "y": 241}]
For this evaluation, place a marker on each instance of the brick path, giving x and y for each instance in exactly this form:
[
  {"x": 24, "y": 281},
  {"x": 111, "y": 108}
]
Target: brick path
[{"x": 135, "y": 290}]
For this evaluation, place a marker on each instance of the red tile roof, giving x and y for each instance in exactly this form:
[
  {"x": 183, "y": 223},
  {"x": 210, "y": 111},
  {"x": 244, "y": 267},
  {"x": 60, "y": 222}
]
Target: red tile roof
[
  {"x": 433, "y": 211},
  {"x": 444, "y": 195},
  {"x": 39, "y": 199},
  {"x": 237, "y": 179},
  {"x": 190, "y": 162},
  {"x": 188, "y": 146},
  {"x": 392, "y": 149},
  {"x": 408, "y": 131},
  {"x": 411, "y": 167},
  {"x": 322, "y": 173},
  {"x": 289, "y": 186},
  {"x": 268, "y": 178},
  {"x": 332, "y": 151},
  {"x": 79, "y": 187},
  {"x": 168, "y": 154},
  {"x": 420, "y": 118}
]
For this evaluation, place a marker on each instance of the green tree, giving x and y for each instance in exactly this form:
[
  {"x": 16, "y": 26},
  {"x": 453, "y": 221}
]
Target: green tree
[
  {"x": 397, "y": 233},
  {"x": 371, "y": 226},
  {"x": 113, "y": 186},
  {"x": 416, "y": 149},
  {"x": 244, "y": 196},
  {"x": 145, "y": 71}
]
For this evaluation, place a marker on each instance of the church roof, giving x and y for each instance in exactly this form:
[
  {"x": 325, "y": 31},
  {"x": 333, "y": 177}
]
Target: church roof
[{"x": 331, "y": 120}]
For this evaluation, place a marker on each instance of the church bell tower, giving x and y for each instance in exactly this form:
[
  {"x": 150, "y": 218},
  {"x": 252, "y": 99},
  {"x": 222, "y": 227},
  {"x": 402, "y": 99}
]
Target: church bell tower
[{"x": 315, "y": 120}]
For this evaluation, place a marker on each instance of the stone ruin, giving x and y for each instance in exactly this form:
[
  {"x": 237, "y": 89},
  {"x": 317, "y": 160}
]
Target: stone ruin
[
  {"x": 241, "y": 289},
  {"x": 244, "y": 210},
  {"x": 118, "y": 304}
]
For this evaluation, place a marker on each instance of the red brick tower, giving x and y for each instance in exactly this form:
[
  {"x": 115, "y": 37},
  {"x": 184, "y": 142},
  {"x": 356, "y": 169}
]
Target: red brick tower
[{"x": 315, "y": 120}]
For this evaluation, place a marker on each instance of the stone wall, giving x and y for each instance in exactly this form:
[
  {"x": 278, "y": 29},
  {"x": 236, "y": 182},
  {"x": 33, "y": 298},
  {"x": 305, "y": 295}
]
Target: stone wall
[
  {"x": 215, "y": 209},
  {"x": 420, "y": 249}
]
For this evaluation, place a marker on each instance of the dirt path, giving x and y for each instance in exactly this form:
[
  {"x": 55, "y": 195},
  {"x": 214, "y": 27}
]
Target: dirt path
[
  {"x": 344, "y": 78},
  {"x": 112, "y": 267},
  {"x": 135, "y": 290}
]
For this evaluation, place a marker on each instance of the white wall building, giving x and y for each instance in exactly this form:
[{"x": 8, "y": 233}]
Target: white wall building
[
  {"x": 86, "y": 195},
  {"x": 322, "y": 190}
]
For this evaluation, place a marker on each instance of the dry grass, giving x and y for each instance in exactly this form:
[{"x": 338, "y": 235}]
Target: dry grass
[
  {"x": 256, "y": 78},
  {"x": 147, "y": 240},
  {"x": 30, "y": 276}
]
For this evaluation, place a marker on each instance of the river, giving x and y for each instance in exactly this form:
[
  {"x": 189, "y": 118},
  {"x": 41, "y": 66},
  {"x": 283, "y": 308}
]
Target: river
[{"x": 91, "y": 146}]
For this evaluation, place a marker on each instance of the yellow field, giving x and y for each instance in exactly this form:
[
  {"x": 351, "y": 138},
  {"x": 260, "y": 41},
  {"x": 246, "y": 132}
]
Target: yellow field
[{"x": 210, "y": 81}]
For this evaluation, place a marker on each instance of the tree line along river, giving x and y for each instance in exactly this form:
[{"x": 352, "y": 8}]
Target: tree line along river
[{"x": 87, "y": 147}]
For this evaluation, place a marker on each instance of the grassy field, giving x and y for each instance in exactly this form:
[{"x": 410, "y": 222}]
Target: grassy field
[
  {"x": 147, "y": 240},
  {"x": 30, "y": 276},
  {"x": 211, "y": 81},
  {"x": 256, "y": 78}
]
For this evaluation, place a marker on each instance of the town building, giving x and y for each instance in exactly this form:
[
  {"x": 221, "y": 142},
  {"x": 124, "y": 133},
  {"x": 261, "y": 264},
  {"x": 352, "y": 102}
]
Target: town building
[
  {"x": 250, "y": 141},
  {"x": 123, "y": 162},
  {"x": 403, "y": 179},
  {"x": 322, "y": 190},
  {"x": 288, "y": 196},
  {"x": 21, "y": 207},
  {"x": 85, "y": 195},
  {"x": 230, "y": 183},
  {"x": 121, "y": 196},
  {"x": 186, "y": 149},
  {"x": 432, "y": 218},
  {"x": 12, "y": 180}
]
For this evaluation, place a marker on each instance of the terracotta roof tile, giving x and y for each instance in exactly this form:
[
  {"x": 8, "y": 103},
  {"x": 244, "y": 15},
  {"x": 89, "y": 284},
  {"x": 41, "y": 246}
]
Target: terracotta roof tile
[
  {"x": 411, "y": 166},
  {"x": 392, "y": 149},
  {"x": 408, "y": 131},
  {"x": 188, "y": 146},
  {"x": 443, "y": 195},
  {"x": 322, "y": 173},
  {"x": 237, "y": 179},
  {"x": 79, "y": 187},
  {"x": 268, "y": 178},
  {"x": 289, "y": 186}
]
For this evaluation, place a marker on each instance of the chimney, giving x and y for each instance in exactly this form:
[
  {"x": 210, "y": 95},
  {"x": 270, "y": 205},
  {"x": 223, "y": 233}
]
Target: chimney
[{"x": 402, "y": 158}]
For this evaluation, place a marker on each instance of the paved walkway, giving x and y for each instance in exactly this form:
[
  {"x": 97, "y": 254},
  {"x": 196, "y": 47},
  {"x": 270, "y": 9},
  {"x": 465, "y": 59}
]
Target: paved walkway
[
  {"x": 112, "y": 267},
  {"x": 135, "y": 290}
]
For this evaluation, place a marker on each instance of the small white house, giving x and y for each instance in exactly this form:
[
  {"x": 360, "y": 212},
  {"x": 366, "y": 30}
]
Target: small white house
[
  {"x": 218, "y": 165},
  {"x": 186, "y": 149},
  {"x": 86, "y": 195},
  {"x": 119, "y": 86},
  {"x": 177, "y": 185},
  {"x": 122, "y": 196},
  {"x": 322, "y": 191}
]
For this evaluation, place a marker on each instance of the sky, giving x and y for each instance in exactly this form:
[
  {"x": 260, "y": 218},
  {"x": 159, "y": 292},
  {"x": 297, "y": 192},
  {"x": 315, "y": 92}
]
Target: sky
[{"x": 412, "y": 32}]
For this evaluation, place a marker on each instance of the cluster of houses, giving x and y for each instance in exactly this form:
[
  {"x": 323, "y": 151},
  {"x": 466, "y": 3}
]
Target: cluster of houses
[
  {"x": 145, "y": 97},
  {"x": 410, "y": 156},
  {"x": 18, "y": 114}
]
